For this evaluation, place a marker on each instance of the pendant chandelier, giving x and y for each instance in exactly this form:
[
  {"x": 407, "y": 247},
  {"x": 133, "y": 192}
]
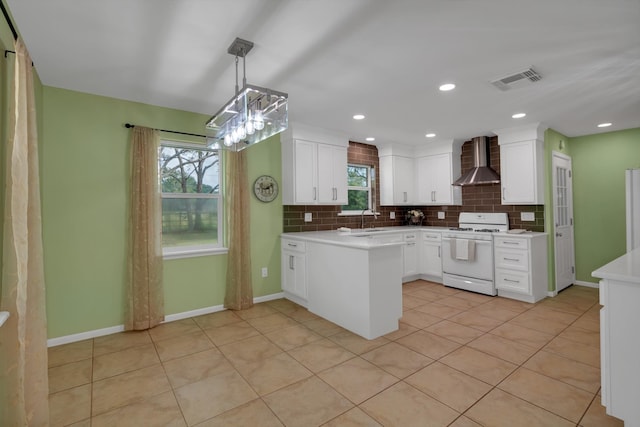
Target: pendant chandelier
[{"x": 252, "y": 115}]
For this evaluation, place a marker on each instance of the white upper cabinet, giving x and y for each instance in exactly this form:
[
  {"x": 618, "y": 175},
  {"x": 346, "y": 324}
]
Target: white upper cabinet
[
  {"x": 396, "y": 180},
  {"x": 522, "y": 165},
  {"x": 332, "y": 174},
  {"x": 435, "y": 174},
  {"x": 420, "y": 177},
  {"x": 314, "y": 167}
]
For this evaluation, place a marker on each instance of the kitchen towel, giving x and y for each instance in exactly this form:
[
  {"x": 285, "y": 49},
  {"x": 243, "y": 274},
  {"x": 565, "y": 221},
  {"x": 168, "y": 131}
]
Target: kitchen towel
[{"x": 463, "y": 249}]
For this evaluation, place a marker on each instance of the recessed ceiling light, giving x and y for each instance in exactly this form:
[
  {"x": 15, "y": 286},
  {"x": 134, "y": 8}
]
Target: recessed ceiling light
[
  {"x": 518, "y": 115},
  {"x": 430, "y": 135},
  {"x": 447, "y": 86},
  {"x": 604, "y": 125},
  {"x": 370, "y": 138},
  {"x": 358, "y": 117}
]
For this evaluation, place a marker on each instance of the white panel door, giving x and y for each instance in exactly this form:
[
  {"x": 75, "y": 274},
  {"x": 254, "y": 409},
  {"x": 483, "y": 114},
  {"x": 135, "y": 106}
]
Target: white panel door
[
  {"x": 326, "y": 189},
  {"x": 306, "y": 187},
  {"x": 403, "y": 180},
  {"x": 517, "y": 173},
  {"x": 563, "y": 221},
  {"x": 339, "y": 161}
]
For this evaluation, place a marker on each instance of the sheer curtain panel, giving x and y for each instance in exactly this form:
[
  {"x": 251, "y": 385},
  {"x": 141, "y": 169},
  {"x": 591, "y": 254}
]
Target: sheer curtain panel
[
  {"x": 24, "y": 384},
  {"x": 145, "y": 297},
  {"x": 239, "y": 290}
]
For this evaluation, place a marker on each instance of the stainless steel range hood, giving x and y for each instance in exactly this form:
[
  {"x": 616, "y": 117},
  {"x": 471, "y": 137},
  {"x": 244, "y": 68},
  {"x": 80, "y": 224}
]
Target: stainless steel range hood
[{"x": 480, "y": 173}]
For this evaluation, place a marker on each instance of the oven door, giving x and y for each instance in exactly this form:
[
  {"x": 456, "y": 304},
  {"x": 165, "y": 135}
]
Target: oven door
[{"x": 481, "y": 267}]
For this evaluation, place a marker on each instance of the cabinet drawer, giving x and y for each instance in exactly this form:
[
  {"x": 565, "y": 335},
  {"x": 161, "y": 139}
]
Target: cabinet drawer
[
  {"x": 513, "y": 281},
  {"x": 294, "y": 245},
  {"x": 428, "y": 236},
  {"x": 511, "y": 242},
  {"x": 410, "y": 237},
  {"x": 512, "y": 259}
]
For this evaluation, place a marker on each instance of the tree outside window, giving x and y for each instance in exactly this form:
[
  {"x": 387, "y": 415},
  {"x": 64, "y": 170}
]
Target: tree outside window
[
  {"x": 359, "y": 188},
  {"x": 191, "y": 199}
]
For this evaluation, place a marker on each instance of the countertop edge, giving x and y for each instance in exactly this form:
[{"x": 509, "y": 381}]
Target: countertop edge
[{"x": 625, "y": 268}]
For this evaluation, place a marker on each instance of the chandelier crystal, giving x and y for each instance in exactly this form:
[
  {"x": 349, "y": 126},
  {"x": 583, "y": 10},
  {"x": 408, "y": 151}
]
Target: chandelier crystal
[{"x": 252, "y": 115}]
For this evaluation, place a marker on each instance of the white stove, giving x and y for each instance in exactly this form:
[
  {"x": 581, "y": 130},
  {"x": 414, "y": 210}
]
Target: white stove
[{"x": 467, "y": 251}]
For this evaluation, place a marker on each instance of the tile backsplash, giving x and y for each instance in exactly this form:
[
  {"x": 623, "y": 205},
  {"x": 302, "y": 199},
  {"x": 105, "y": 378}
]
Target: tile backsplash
[{"x": 479, "y": 198}]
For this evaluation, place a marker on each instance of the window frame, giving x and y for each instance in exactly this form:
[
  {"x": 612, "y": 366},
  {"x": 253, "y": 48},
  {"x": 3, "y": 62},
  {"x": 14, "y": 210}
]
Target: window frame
[
  {"x": 188, "y": 251},
  {"x": 369, "y": 188}
]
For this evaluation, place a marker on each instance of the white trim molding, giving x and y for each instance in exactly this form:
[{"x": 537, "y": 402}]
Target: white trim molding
[
  {"x": 67, "y": 339},
  {"x": 587, "y": 284}
]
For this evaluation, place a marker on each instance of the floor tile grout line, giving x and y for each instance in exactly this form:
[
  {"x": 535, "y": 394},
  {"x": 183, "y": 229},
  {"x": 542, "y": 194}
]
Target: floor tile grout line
[{"x": 301, "y": 322}]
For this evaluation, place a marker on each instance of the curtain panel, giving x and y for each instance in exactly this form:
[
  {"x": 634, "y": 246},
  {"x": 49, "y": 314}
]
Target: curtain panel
[
  {"x": 145, "y": 295},
  {"x": 24, "y": 386},
  {"x": 239, "y": 289}
]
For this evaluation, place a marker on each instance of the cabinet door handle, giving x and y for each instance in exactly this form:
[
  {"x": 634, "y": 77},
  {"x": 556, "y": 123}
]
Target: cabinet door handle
[
  {"x": 411, "y": 244},
  {"x": 504, "y": 193},
  {"x": 433, "y": 196},
  {"x": 293, "y": 245},
  {"x": 558, "y": 234},
  {"x": 511, "y": 281},
  {"x": 511, "y": 259},
  {"x": 405, "y": 196},
  {"x": 439, "y": 252},
  {"x": 335, "y": 193},
  {"x": 511, "y": 243},
  {"x": 291, "y": 263},
  {"x": 314, "y": 193}
]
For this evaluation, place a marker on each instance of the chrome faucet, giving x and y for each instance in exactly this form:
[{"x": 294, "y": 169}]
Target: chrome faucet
[
  {"x": 362, "y": 218},
  {"x": 373, "y": 212}
]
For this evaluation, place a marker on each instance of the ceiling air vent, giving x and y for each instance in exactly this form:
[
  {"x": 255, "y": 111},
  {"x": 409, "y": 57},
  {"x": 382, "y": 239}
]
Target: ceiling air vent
[{"x": 518, "y": 79}]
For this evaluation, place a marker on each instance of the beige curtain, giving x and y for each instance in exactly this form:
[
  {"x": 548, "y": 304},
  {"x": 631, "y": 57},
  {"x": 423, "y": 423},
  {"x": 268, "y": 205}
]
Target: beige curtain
[
  {"x": 23, "y": 339},
  {"x": 239, "y": 291},
  {"x": 145, "y": 297}
]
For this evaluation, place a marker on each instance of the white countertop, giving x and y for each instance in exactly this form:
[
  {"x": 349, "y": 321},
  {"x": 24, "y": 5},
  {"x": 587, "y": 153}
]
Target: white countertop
[
  {"x": 369, "y": 238},
  {"x": 365, "y": 239},
  {"x": 624, "y": 269}
]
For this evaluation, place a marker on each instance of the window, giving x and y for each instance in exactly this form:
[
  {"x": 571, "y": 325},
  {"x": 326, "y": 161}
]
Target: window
[
  {"x": 191, "y": 199},
  {"x": 359, "y": 191}
]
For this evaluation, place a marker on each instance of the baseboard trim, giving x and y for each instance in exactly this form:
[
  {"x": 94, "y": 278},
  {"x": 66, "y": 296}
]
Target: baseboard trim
[
  {"x": 587, "y": 284},
  {"x": 67, "y": 339},
  {"x": 552, "y": 293}
]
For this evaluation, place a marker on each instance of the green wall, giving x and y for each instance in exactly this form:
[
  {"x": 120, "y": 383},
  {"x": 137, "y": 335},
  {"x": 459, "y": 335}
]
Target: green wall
[
  {"x": 599, "y": 164},
  {"x": 85, "y": 178}
]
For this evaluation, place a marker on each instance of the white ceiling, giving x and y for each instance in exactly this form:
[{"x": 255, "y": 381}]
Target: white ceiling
[{"x": 336, "y": 58}]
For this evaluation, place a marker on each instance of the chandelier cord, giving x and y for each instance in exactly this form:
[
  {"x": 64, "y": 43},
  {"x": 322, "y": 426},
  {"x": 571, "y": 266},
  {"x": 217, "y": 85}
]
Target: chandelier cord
[{"x": 237, "y": 88}]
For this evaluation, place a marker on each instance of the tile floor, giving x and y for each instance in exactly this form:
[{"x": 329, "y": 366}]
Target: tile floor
[{"x": 459, "y": 359}]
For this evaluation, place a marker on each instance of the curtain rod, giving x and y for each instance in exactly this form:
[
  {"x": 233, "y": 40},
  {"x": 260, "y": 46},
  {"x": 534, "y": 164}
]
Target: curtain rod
[
  {"x": 129, "y": 125},
  {"x": 11, "y": 27}
]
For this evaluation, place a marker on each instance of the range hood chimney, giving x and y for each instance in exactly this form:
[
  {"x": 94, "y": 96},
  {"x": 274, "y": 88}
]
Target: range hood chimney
[{"x": 480, "y": 173}]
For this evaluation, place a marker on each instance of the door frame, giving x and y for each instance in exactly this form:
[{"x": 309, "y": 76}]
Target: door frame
[{"x": 559, "y": 155}]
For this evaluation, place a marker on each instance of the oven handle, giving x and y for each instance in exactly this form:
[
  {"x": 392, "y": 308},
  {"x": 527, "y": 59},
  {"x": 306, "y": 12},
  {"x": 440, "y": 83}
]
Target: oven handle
[{"x": 478, "y": 242}]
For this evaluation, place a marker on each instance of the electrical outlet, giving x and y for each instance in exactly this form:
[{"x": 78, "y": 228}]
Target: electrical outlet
[
  {"x": 307, "y": 216},
  {"x": 440, "y": 215},
  {"x": 527, "y": 216},
  {"x": 392, "y": 215},
  {"x": 265, "y": 272}
]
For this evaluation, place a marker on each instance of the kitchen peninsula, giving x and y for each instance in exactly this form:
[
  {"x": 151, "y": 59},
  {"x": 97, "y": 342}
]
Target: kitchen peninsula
[
  {"x": 352, "y": 279},
  {"x": 619, "y": 336}
]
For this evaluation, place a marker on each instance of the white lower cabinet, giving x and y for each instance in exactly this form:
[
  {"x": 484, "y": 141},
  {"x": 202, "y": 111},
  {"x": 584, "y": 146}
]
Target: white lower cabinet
[
  {"x": 294, "y": 271},
  {"x": 431, "y": 256},
  {"x": 620, "y": 337},
  {"x": 410, "y": 254},
  {"x": 521, "y": 266}
]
